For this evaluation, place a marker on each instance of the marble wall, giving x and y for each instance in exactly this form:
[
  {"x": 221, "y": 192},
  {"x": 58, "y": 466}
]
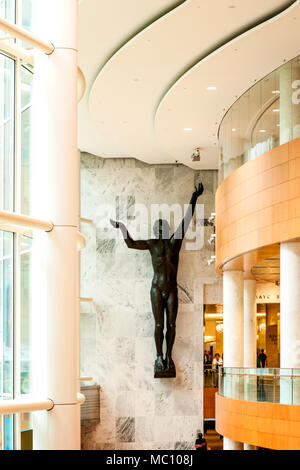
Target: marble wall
[{"x": 117, "y": 343}]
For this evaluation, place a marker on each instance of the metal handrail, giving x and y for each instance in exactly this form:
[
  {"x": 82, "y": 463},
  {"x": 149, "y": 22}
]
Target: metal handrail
[
  {"x": 12, "y": 222},
  {"x": 23, "y": 224},
  {"x": 262, "y": 375},
  {"x": 30, "y": 405},
  {"x": 24, "y": 35}
]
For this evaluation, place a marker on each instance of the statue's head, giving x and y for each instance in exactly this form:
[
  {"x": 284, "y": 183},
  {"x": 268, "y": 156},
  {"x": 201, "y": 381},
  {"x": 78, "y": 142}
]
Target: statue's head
[{"x": 161, "y": 229}]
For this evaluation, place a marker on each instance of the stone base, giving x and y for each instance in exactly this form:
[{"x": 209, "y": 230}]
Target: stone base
[{"x": 165, "y": 374}]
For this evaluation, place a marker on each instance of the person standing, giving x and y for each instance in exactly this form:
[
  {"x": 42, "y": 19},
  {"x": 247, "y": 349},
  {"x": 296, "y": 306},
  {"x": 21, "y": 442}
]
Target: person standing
[
  {"x": 262, "y": 359},
  {"x": 200, "y": 443},
  {"x": 217, "y": 362}
]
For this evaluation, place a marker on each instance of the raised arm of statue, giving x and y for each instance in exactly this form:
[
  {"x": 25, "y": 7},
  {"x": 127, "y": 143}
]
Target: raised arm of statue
[
  {"x": 134, "y": 244},
  {"x": 179, "y": 234}
]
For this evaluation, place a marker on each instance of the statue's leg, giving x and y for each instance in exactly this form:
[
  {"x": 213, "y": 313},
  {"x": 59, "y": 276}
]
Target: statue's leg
[
  {"x": 158, "y": 312},
  {"x": 172, "y": 309}
]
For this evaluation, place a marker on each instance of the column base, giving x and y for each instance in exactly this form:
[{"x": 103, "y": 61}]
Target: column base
[
  {"x": 229, "y": 444},
  {"x": 249, "y": 447}
]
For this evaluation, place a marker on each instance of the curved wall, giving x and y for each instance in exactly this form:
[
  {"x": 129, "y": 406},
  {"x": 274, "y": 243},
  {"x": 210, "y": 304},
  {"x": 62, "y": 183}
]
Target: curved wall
[
  {"x": 267, "y": 425},
  {"x": 259, "y": 204}
]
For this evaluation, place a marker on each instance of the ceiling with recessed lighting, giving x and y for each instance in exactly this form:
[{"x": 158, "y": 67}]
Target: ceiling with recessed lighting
[{"x": 161, "y": 75}]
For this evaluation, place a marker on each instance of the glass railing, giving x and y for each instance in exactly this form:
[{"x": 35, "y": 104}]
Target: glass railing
[
  {"x": 266, "y": 116},
  {"x": 263, "y": 385}
]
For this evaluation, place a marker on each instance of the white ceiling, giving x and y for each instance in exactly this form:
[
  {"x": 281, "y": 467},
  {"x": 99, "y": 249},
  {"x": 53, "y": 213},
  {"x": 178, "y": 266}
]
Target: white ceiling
[{"x": 140, "y": 98}]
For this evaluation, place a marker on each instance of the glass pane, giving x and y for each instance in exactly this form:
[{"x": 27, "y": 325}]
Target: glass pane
[
  {"x": 8, "y": 432},
  {"x": 26, "y": 80},
  {"x": 266, "y": 116},
  {"x": 26, "y": 18},
  {"x": 27, "y": 14},
  {"x": 26, "y": 369},
  {"x": 6, "y": 315},
  {"x": 6, "y": 333},
  {"x": 7, "y": 11},
  {"x": 7, "y": 77},
  {"x": 26, "y": 431}
]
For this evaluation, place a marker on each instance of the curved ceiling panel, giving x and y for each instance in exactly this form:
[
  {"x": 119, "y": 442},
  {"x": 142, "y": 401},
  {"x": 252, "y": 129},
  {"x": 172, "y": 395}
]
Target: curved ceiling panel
[
  {"x": 231, "y": 70},
  {"x": 104, "y": 25},
  {"x": 128, "y": 89}
]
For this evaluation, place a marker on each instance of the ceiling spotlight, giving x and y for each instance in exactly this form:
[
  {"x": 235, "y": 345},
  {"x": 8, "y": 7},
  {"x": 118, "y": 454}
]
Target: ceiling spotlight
[
  {"x": 211, "y": 260},
  {"x": 187, "y": 129},
  {"x": 276, "y": 110},
  {"x": 212, "y": 217},
  {"x": 212, "y": 88},
  {"x": 262, "y": 131},
  {"x": 212, "y": 239},
  {"x": 276, "y": 92},
  {"x": 234, "y": 129},
  {"x": 196, "y": 157}
]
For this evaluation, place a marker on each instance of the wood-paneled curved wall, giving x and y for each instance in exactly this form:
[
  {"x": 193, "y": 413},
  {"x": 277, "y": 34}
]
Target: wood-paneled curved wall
[
  {"x": 267, "y": 425},
  {"x": 259, "y": 204}
]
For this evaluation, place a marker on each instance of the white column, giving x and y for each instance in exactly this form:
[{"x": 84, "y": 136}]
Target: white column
[
  {"x": 233, "y": 339},
  {"x": 55, "y": 196},
  {"x": 290, "y": 305},
  {"x": 289, "y": 319},
  {"x": 250, "y": 341},
  {"x": 250, "y": 323}
]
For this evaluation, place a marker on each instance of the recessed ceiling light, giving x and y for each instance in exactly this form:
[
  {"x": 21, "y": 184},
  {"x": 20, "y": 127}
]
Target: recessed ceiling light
[
  {"x": 262, "y": 130},
  {"x": 275, "y": 92},
  {"x": 187, "y": 129},
  {"x": 234, "y": 129},
  {"x": 212, "y": 88},
  {"x": 276, "y": 110}
]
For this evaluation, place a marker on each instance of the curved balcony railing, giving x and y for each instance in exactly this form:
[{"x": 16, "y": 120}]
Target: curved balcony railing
[
  {"x": 262, "y": 385},
  {"x": 266, "y": 116}
]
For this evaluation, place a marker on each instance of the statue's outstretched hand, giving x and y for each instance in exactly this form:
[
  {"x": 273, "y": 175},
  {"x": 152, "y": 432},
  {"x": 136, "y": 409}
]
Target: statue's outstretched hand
[
  {"x": 199, "y": 190},
  {"x": 115, "y": 224}
]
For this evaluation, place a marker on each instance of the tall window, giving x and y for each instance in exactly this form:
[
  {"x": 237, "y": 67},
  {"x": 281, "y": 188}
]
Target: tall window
[{"x": 15, "y": 249}]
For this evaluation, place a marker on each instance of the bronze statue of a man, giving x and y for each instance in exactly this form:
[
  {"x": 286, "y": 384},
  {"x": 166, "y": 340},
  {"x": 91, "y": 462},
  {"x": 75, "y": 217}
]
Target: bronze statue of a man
[{"x": 164, "y": 252}]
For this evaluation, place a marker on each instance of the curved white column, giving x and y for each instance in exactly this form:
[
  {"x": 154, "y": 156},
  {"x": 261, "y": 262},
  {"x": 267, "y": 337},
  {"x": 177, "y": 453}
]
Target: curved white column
[
  {"x": 233, "y": 333},
  {"x": 233, "y": 299},
  {"x": 250, "y": 323},
  {"x": 56, "y": 190},
  {"x": 250, "y": 326},
  {"x": 290, "y": 305}
]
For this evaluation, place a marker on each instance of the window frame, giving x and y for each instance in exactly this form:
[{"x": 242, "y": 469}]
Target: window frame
[{"x": 15, "y": 52}]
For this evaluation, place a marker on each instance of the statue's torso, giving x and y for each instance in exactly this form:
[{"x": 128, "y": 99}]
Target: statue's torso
[{"x": 165, "y": 258}]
